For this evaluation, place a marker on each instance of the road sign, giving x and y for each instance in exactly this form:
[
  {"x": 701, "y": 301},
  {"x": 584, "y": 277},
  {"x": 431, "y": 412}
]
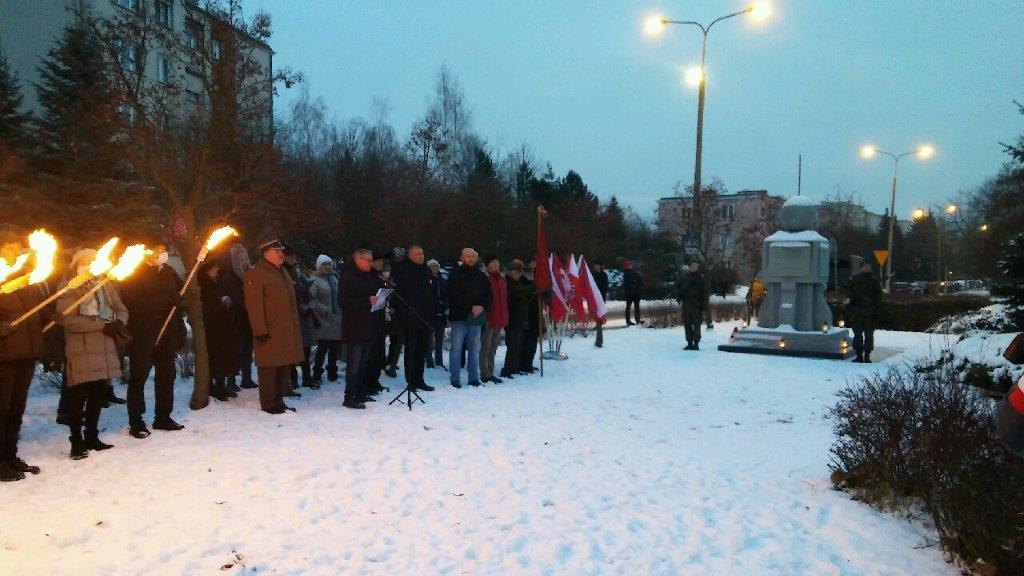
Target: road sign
[{"x": 881, "y": 256}]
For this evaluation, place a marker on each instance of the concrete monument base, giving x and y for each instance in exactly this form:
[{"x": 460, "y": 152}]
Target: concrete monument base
[{"x": 785, "y": 341}]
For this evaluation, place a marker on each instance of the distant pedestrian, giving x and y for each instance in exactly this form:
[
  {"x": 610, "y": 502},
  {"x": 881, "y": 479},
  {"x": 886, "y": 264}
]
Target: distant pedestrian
[
  {"x": 693, "y": 297},
  {"x": 632, "y": 284},
  {"x": 755, "y": 296},
  {"x": 863, "y": 311},
  {"x": 601, "y": 279}
]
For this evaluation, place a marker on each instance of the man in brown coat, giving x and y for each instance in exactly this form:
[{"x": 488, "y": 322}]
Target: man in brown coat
[
  {"x": 20, "y": 347},
  {"x": 277, "y": 335}
]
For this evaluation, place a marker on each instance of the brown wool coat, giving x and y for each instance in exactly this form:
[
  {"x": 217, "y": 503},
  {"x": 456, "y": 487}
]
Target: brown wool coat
[
  {"x": 91, "y": 354},
  {"x": 270, "y": 303}
]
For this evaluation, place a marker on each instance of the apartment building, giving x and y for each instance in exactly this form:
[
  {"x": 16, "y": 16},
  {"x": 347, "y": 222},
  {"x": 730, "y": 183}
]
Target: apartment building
[{"x": 30, "y": 28}]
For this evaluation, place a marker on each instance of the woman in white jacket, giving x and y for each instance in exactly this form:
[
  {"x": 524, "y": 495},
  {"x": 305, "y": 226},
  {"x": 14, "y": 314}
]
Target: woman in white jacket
[{"x": 323, "y": 301}]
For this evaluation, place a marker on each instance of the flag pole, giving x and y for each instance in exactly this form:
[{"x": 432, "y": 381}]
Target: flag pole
[{"x": 540, "y": 301}]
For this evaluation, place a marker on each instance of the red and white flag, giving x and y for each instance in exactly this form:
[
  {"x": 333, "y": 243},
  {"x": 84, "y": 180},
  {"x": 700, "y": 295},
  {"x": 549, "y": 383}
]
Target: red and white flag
[
  {"x": 576, "y": 289},
  {"x": 595, "y": 303},
  {"x": 559, "y": 289}
]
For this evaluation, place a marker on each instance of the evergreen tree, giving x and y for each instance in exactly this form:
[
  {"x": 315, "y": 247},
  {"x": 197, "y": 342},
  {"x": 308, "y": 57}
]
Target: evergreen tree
[
  {"x": 79, "y": 125},
  {"x": 13, "y": 122},
  {"x": 1012, "y": 267}
]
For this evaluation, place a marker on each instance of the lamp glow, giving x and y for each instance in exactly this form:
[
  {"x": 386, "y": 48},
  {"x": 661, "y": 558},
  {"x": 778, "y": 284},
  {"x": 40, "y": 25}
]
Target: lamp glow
[
  {"x": 868, "y": 152},
  {"x": 951, "y": 209},
  {"x": 918, "y": 214},
  {"x": 760, "y": 11},
  {"x": 654, "y": 25},
  {"x": 925, "y": 152},
  {"x": 694, "y": 76}
]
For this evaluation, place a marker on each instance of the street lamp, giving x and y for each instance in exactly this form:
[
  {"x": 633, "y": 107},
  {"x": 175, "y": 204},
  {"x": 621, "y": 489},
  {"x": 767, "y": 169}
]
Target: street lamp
[
  {"x": 654, "y": 26},
  {"x": 923, "y": 152}
]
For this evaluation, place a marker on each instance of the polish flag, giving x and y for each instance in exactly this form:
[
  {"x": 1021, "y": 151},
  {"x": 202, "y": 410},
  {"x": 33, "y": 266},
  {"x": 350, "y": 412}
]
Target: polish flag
[
  {"x": 576, "y": 289},
  {"x": 595, "y": 303},
  {"x": 559, "y": 289}
]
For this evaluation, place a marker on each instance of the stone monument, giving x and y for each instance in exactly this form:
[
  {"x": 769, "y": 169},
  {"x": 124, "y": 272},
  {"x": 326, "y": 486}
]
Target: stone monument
[{"x": 794, "y": 319}]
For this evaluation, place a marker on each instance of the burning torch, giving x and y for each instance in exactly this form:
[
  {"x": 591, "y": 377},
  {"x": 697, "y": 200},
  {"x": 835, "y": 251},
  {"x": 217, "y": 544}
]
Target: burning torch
[
  {"x": 126, "y": 264},
  {"x": 218, "y": 236},
  {"x": 100, "y": 265},
  {"x": 44, "y": 246}
]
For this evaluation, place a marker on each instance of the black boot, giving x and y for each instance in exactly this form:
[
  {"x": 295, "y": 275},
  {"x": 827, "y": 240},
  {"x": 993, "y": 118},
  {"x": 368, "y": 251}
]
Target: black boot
[
  {"x": 351, "y": 402},
  {"x": 859, "y": 359},
  {"x": 867, "y": 357},
  {"x": 218, "y": 391},
  {"x": 227, "y": 389},
  {"x": 138, "y": 430},
  {"x": 232, "y": 386},
  {"x": 93, "y": 442},
  {"x": 9, "y": 474},
  {"x": 78, "y": 450},
  {"x": 20, "y": 465},
  {"x": 112, "y": 397},
  {"x": 166, "y": 423}
]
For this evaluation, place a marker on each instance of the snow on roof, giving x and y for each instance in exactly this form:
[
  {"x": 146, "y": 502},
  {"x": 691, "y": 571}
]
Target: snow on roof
[
  {"x": 802, "y": 236},
  {"x": 800, "y": 201}
]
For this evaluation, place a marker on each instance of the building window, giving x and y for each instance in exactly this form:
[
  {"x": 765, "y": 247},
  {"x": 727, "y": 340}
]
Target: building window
[
  {"x": 193, "y": 34},
  {"x": 728, "y": 211},
  {"x": 163, "y": 69},
  {"x": 128, "y": 55},
  {"x": 727, "y": 240},
  {"x": 216, "y": 50},
  {"x": 195, "y": 99},
  {"x": 130, "y": 115},
  {"x": 162, "y": 12}
]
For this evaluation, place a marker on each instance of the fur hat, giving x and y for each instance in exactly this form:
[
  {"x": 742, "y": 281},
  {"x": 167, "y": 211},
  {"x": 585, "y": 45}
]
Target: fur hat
[
  {"x": 323, "y": 259},
  {"x": 433, "y": 263}
]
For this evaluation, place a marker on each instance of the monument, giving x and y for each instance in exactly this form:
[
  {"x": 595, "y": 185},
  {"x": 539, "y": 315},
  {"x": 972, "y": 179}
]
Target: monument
[{"x": 794, "y": 319}]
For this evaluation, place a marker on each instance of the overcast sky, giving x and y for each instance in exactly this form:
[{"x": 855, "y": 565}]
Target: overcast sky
[{"x": 583, "y": 87}]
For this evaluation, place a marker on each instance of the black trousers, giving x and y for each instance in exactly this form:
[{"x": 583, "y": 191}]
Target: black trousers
[
  {"x": 143, "y": 358},
  {"x": 435, "y": 352},
  {"x": 864, "y": 336},
  {"x": 692, "y": 319},
  {"x": 326, "y": 349},
  {"x": 599, "y": 338},
  {"x": 514, "y": 338},
  {"x": 275, "y": 382},
  {"x": 304, "y": 367},
  {"x": 530, "y": 342},
  {"x": 15, "y": 378},
  {"x": 357, "y": 362},
  {"x": 416, "y": 344},
  {"x": 633, "y": 301},
  {"x": 396, "y": 337},
  {"x": 375, "y": 363},
  {"x": 87, "y": 396}
]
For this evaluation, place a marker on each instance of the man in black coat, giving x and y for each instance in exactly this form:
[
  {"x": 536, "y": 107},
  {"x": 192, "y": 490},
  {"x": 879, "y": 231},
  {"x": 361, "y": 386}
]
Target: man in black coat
[
  {"x": 358, "y": 295},
  {"x": 531, "y": 337},
  {"x": 693, "y": 297},
  {"x": 601, "y": 279},
  {"x": 439, "y": 290},
  {"x": 150, "y": 294},
  {"x": 863, "y": 311},
  {"x": 235, "y": 267},
  {"x": 519, "y": 292},
  {"x": 632, "y": 283},
  {"x": 415, "y": 306},
  {"x": 469, "y": 292}
]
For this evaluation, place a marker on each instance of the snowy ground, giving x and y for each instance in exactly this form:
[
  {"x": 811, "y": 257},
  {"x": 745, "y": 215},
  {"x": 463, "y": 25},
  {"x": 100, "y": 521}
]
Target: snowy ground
[{"x": 638, "y": 458}]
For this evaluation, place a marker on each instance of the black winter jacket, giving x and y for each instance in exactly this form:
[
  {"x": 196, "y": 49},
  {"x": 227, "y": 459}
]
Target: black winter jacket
[
  {"x": 467, "y": 287},
  {"x": 417, "y": 304},
  {"x": 357, "y": 324}
]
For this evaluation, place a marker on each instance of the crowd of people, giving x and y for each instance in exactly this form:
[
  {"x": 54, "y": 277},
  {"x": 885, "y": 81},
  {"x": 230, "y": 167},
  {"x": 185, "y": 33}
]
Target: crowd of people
[{"x": 297, "y": 326}]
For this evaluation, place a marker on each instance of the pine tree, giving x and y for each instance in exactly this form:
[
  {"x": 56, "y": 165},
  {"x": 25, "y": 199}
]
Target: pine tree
[
  {"x": 80, "y": 124},
  {"x": 1012, "y": 267},
  {"x": 13, "y": 122}
]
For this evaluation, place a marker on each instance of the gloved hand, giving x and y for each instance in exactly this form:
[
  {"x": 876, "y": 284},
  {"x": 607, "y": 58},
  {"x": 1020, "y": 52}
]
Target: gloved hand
[
  {"x": 5, "y": 328},
  {"x": 112, "y": 328}
]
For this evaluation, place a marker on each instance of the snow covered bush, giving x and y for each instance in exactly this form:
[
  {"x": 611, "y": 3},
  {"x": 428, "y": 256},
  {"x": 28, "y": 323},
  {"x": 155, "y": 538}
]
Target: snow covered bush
[
  {"x": 990, "y": 319},
  {"x": 912, "y": 439}
]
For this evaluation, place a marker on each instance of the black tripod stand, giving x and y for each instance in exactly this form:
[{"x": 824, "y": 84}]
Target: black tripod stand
[{"x": 410, "y": 389}]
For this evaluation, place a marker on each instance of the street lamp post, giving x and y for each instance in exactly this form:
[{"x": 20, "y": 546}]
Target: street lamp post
[
  {"x": 867, "y": 152},
  {"x": 654, "y": 26}
]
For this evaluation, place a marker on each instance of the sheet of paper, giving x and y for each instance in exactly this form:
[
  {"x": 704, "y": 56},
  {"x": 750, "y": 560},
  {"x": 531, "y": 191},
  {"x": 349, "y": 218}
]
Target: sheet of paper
[{"x": 382, "y": 299}]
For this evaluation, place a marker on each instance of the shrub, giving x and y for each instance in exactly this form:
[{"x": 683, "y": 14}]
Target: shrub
[
  {"x": 912, "y": 438},
  {"x": 915, "y": 312}
]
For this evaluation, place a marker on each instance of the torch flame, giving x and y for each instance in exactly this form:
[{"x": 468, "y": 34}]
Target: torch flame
[
  {"x": 6, "y": 270},
  {"x": 129, "y": 261},
  {"x": 101, "y": 263},
  {"x": 218, "y": 236},
  {"x": 45, "y": 247}
]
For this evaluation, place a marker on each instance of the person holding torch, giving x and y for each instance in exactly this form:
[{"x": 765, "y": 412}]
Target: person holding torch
[
  {"x": 20, "y": 348},
  {"x": 92, "y": 330}
]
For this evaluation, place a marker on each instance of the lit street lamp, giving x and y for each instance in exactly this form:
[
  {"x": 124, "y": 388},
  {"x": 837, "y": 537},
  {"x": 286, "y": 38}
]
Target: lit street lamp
[
  {"x": 923, "y": 152},
  {"x": 697, "y": 77}
]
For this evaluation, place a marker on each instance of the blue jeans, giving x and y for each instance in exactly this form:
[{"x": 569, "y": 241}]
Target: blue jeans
[{"x": 468, "y": 337}]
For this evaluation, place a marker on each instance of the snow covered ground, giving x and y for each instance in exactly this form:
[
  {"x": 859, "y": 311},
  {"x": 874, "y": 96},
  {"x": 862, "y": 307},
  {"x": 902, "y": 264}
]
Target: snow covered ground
[{"x": 638, "y": 458}]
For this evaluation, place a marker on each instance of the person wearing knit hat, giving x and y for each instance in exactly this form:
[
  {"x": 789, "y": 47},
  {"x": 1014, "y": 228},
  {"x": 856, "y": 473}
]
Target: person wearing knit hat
[
  {"x": 91, "y": 333},
  {"x": 323, "y": 301}
]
